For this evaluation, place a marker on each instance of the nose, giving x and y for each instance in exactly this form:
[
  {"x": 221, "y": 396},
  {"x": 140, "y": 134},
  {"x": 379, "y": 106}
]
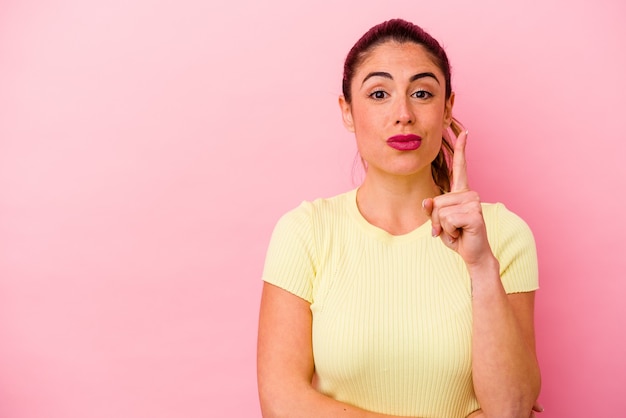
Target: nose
[{"x": 404, "y": 115}]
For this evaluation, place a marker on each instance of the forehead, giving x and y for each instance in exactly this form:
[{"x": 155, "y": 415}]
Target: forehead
[{"x": 392, "y": 55}]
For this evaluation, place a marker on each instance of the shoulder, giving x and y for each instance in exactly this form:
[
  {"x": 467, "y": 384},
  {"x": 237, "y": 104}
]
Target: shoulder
[
  {"x": 297, "y": 243},
  {"x": 317, "y": 213},
  {"x": 513, "y": 244},
  {"x": 502, "y": 221}
]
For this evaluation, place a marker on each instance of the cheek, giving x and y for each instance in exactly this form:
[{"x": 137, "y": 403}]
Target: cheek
[
  {"x": 432, "y": 149},
  {"x": 365, "y": 123},
  {"x": 436, "y": 145}
]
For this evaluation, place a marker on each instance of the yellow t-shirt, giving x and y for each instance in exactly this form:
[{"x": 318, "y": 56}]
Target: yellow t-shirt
[{"x": 392, "y": 315}]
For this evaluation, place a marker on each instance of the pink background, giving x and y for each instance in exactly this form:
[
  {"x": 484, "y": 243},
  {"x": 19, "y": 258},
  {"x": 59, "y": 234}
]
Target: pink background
[{"x": 148, "y": 147}]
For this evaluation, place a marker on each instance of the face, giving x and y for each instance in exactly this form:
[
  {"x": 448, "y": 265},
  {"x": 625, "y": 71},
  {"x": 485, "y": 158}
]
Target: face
[{"x": 399, "y": 110}]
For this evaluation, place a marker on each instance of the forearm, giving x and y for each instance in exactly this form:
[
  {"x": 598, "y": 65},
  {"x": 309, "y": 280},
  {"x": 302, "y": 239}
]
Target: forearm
[
  {"x": 504, "y": 367},
  {"x": 285, "y": 366},
  {"x": 305, "y": 402}
]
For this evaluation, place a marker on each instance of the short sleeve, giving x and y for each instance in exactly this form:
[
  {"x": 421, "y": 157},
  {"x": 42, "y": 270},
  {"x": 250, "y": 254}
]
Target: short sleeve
[
  {"x": 514, "y": 247},
  {"x": 291, "y": 259}
]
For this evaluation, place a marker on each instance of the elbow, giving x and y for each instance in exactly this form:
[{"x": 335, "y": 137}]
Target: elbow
[
  {"x": 531, "y": 392},
  {"x": 271, "y": 409},
  {"x": 271, "y": 404},
  {"x": 518, "y": 403},
  {"x": 526, "y": 396},
  {"x": 281, "y": 401},
  {"x": 522, "y": 407},
  {"x": 515, "y": 409}
]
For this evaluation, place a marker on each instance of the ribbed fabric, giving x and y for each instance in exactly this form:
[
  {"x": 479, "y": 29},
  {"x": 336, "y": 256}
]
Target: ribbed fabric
[{"x": 392, "y": 315}]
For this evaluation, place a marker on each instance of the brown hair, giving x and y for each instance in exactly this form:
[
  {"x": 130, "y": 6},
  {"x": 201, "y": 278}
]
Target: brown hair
[{"x": 401, "y": 31}]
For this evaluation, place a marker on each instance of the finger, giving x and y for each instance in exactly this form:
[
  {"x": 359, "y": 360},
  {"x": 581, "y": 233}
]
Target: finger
[
  {"x": 452, "y": 224},
  {"x": 459, "y": 164},
  {"x": 433, "y": 212},
  {"x": 434, "y": 207},
  {"x": 427, "y": 205}
]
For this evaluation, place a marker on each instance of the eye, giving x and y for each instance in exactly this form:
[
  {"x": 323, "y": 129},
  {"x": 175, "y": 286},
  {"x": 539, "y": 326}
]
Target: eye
[
  {"x": 422, "y": 94},
  {"x": 379, "y": 95}
]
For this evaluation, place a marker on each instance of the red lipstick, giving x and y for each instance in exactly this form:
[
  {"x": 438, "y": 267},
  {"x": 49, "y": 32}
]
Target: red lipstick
[{"x": 405, "y": 142}]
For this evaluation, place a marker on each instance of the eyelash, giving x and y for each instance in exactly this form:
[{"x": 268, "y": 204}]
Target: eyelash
[
  {"x": 428, "y": 94},
  {"x": 373, "y": 94}
]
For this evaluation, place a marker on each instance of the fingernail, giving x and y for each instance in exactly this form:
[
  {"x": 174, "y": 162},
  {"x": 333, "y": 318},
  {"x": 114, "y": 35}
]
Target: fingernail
[
  {"x": 466, "y": 132},
  {"x": 424, "y": 204},
  {"x": 434, "y": 232}
]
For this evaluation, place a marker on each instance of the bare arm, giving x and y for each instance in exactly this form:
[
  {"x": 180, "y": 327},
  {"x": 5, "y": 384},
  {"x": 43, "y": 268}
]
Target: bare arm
[
  {"x": 505, "y": 370},
  {"x": 285, "y": 362},
  {"x": 522, "y": 305},
  {"x": 504, "y": 365}
]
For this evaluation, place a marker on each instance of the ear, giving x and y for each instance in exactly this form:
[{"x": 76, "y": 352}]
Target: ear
[
  {"x": 346, "y": 113},
  {"x": 447, "y": 112}
]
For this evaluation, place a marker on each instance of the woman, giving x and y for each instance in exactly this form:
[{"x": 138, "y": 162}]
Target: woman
[{"x": 406, "y": 296}]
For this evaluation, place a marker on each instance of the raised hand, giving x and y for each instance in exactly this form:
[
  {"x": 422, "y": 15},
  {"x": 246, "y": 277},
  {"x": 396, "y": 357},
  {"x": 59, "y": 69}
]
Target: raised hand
[{"x": 456, "y": 217}]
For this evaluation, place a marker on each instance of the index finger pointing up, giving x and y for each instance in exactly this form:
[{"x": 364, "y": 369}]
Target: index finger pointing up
[{"x": 459, "y": 165}]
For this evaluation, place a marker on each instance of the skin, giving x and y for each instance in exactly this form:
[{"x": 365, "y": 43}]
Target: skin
[
  {"x": 396, "y": 182},
  {"x": 504, "y": 365},
  {"x": 398, "y": 195}
]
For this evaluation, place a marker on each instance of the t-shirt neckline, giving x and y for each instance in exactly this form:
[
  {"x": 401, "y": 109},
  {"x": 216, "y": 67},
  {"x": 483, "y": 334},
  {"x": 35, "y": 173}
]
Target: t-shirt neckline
[{"x": 379, "y": 233}]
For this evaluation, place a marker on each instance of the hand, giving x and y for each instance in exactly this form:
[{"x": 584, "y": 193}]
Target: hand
[
  {"x": 537, "y": 407},
  {"x": 457, "y": 217}
]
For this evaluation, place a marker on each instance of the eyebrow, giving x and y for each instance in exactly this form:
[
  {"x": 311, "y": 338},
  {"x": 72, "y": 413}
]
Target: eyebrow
[{"x": 387, "y": 75}]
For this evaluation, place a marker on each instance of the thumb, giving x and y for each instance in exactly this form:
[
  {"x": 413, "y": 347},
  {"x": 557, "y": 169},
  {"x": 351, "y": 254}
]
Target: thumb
[{"x": 427, "y": 206}]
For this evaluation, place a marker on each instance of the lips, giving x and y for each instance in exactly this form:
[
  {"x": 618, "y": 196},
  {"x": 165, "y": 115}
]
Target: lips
[{"x": 405, "y": 142}]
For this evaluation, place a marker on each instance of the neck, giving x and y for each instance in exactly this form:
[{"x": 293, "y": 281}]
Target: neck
[{"x": 394, "y": 203}]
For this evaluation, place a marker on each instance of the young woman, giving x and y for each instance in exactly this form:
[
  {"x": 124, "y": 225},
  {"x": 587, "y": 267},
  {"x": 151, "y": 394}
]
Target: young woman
[{"x": 406, "y": 296}]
